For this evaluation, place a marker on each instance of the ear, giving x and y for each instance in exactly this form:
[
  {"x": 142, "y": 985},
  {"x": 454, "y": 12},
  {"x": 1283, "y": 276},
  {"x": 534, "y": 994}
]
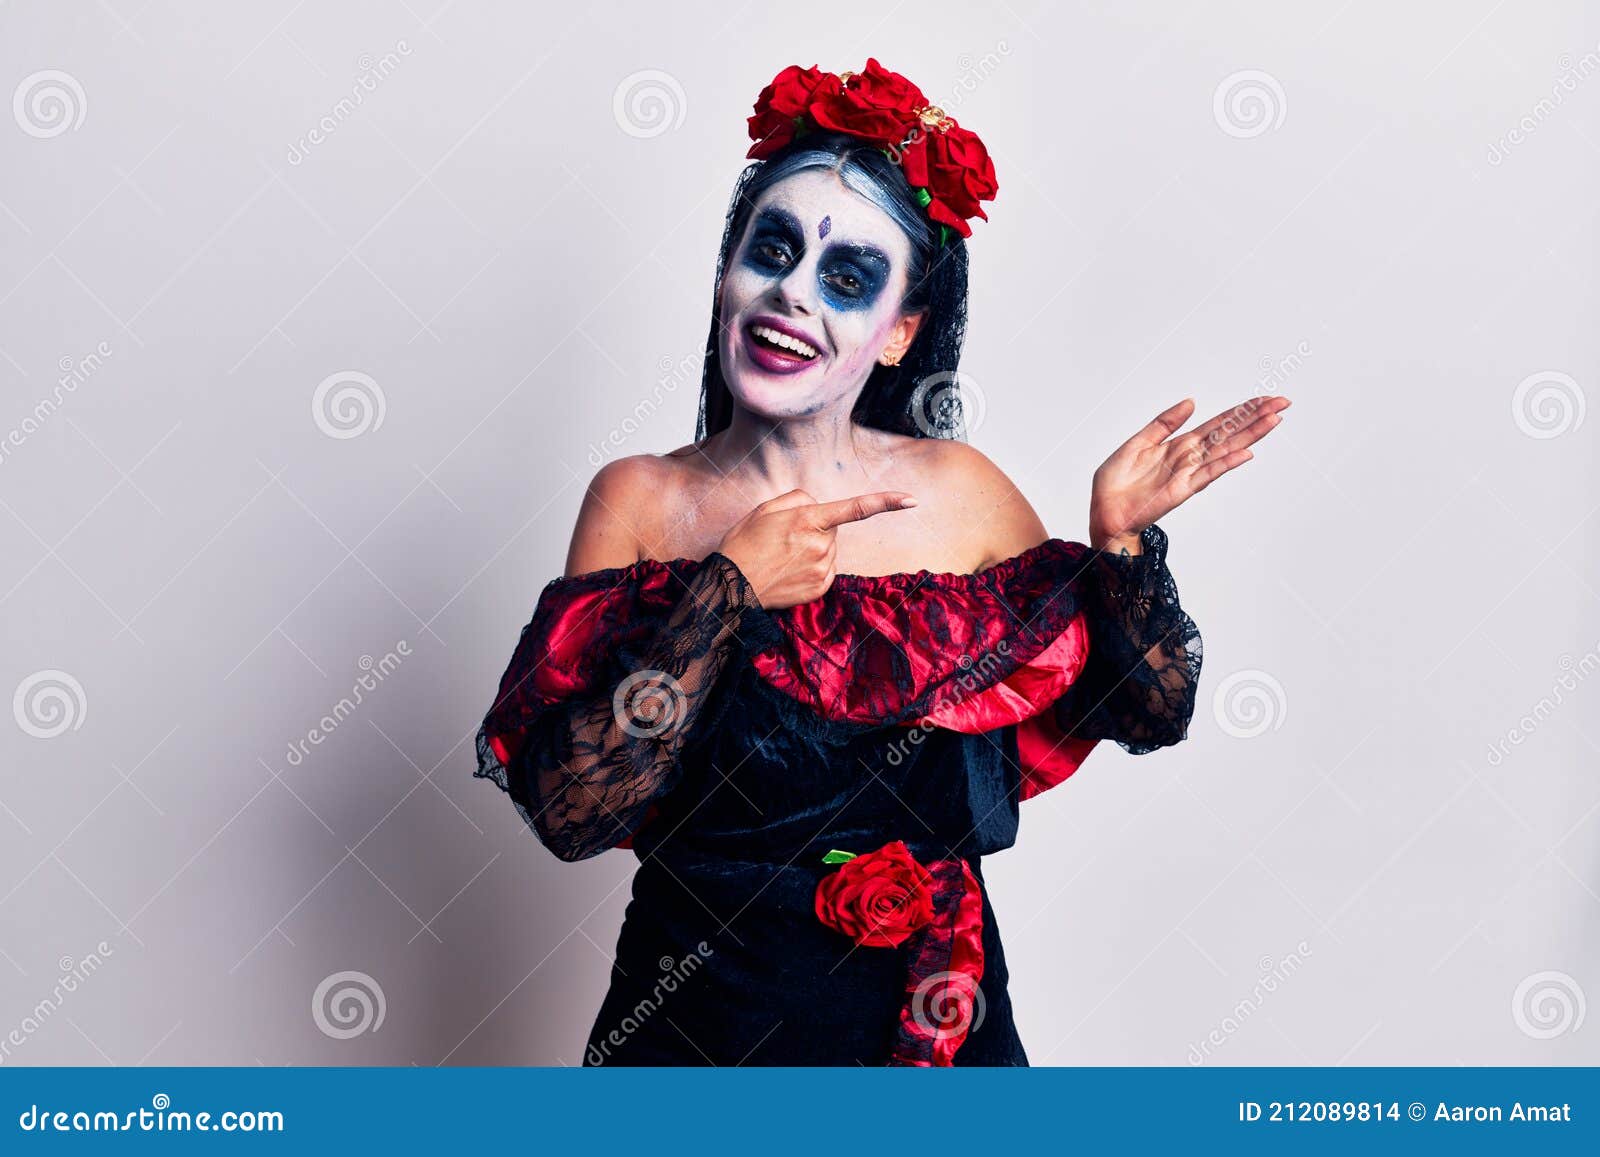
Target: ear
[{"x": 900, "y": 338}]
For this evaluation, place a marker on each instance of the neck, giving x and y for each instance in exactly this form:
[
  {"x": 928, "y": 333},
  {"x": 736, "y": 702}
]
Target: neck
[{"x": 819, "y": 453}]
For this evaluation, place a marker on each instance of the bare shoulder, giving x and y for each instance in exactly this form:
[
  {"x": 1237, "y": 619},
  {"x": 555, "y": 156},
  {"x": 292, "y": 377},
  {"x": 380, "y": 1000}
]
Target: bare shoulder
[
  {"x": 618, "y": 511},
  {"x": 981, "y": 494}
]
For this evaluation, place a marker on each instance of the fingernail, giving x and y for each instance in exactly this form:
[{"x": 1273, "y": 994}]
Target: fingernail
[{"x": 907, "y": 501}]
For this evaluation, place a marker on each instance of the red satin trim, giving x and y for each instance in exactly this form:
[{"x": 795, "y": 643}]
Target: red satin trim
[
  {"x": 1028, "y": 690},
  {"x": 862, "y": 652},
  {"x": 1047, "y": 754},
  {"x": 943, "y": 1000}
]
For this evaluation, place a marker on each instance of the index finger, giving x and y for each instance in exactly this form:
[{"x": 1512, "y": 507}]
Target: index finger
[
  {"x": 1163, "y": 425},
  {"x": 831, "y": 514}
]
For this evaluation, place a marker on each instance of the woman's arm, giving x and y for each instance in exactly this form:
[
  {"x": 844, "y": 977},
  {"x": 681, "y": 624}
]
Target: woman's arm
[
  {"x": 1138, "y": 685},
  {"x": 1139, "y": 681},
  {"x": 589, "y": 768}
]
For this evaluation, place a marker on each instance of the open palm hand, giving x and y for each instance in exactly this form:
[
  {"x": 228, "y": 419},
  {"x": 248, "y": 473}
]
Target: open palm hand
[{"x": 1154, "y": 471}]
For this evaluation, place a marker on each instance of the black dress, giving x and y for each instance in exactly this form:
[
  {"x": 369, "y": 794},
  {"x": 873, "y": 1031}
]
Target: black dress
[{"x": 899, "y": 718}]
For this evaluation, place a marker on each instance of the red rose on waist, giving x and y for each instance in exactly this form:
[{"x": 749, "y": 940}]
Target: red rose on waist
[{"x": 878, "y": 898}]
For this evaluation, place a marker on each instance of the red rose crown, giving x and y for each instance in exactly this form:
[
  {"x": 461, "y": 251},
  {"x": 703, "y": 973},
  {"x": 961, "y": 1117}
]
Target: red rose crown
[{"x": 946, "y": 164}]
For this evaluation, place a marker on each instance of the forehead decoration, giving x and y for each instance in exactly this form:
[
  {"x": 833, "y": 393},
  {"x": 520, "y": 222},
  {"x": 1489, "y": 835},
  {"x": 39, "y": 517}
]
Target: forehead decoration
[{"x": 945, "y": 164}]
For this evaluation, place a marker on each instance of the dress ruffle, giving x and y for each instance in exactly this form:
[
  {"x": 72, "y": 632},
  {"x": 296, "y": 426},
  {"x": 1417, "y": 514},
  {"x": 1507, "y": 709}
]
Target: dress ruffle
[{"x": 967, "y": 652}]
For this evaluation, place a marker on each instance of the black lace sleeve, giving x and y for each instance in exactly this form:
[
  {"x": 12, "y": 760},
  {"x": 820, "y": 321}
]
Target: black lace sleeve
[
  {"x": 1138, "y": 685},
  {"x": 587, "y": 768}
]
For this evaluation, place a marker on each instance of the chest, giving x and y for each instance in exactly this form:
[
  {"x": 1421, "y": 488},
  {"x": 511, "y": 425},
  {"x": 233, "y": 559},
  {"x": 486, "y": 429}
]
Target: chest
[{"x": 902, "y": 541}]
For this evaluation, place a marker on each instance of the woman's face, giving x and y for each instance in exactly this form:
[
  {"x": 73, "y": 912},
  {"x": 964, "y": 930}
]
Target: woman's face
[{"x": 811, "y": 296}]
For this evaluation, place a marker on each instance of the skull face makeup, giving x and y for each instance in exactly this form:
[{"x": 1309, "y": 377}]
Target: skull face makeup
[{"x": 804, "y": 321}]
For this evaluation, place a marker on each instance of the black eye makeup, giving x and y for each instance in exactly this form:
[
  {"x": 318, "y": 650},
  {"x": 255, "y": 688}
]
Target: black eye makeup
[{"x": 851, "y": 275}]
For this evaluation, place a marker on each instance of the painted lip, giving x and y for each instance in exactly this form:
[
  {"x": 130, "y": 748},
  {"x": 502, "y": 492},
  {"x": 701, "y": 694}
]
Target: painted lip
[{"x": 774, "y": 360}]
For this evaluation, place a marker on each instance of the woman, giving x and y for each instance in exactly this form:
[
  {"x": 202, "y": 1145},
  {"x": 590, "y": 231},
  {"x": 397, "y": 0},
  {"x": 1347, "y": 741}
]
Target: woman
[{"x": 812, "y": 723}]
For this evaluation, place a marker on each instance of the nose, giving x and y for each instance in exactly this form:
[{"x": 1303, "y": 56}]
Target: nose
[{"x": 796, "y": 290}]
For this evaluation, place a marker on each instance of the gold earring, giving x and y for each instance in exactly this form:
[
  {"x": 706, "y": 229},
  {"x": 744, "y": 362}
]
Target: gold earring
[{"x": 889, "y": 360}]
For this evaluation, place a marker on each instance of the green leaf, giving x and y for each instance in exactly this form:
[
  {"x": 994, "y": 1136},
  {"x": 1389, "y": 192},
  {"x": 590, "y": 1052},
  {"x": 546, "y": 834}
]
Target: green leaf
[
  {"x": 835, "y": 856},
  {"x": 923, "y": 197}
]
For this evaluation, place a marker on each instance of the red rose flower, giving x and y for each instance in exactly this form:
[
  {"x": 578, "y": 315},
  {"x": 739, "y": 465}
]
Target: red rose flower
[
  {"x": 874, "y": 104},
  {"x": 878, "y": 898},
  {"x": 884, "y": 109},
  {"x": 956, "y": 170},
  {"x": 782, "y": 103}
]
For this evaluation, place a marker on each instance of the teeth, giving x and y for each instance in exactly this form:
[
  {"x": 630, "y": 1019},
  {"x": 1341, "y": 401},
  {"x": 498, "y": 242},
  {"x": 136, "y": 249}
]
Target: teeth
[{"x": 782, "y": 339}]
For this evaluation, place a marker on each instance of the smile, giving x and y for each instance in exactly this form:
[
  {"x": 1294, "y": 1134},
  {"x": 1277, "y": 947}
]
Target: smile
[{"x": 776, "y": 351}]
